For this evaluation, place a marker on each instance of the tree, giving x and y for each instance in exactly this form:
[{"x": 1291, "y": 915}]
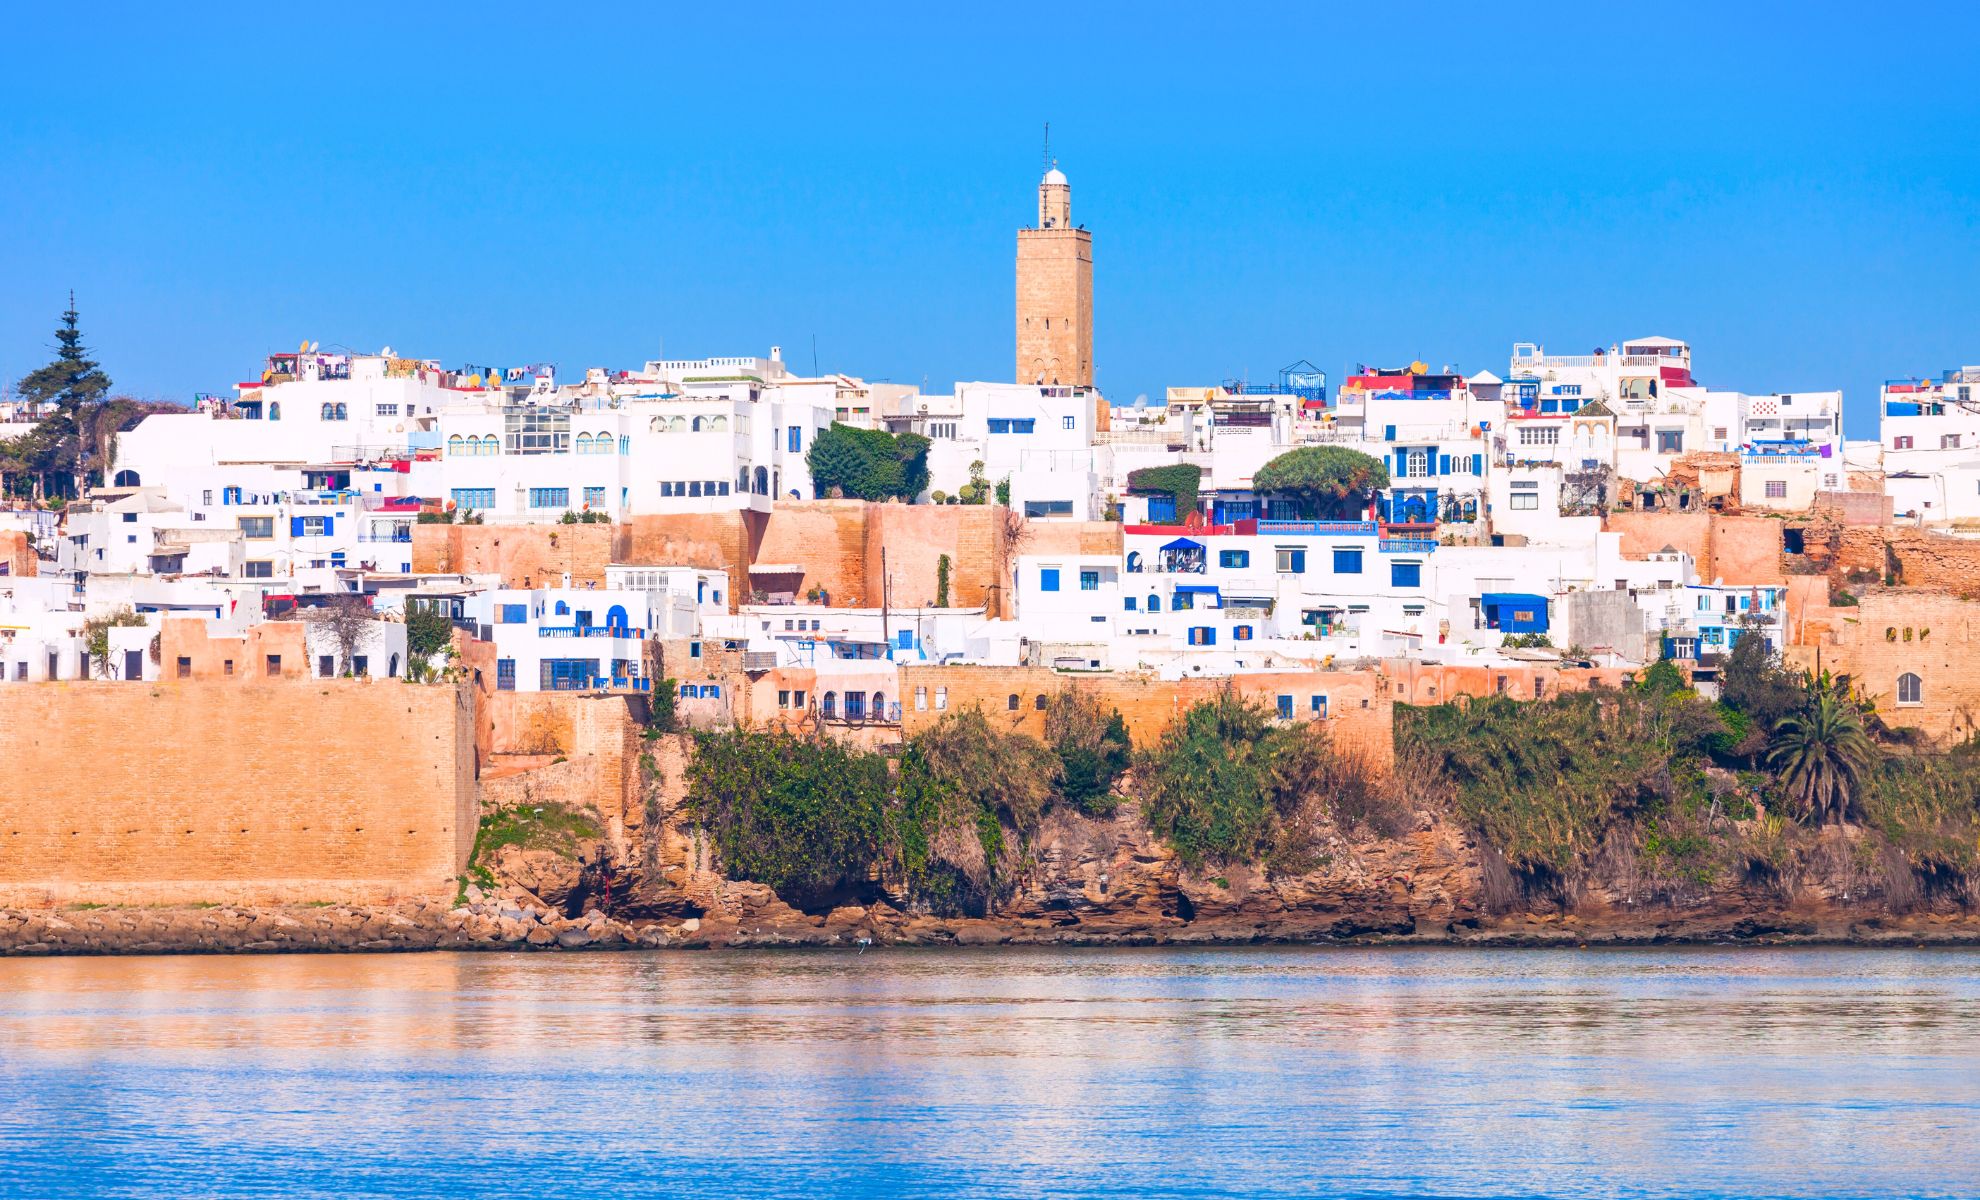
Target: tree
[
  {"x": 1823, "y": 754},
  {"x": 1330, "y": 482},
  {"x": 977, "y": 490},
  {"x": 346, "y": 621},
  {"x": 1093, "y": 749},
  {"x": 868, "y": 464},
  {"x": 429, "y": 633},
  {"x": 1752, "y": 682},
  {"x": 73, "y": 385}
]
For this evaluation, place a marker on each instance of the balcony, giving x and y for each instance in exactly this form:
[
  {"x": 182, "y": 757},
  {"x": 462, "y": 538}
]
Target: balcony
[
  {"x": 1317, "y": 528},
  {"x": 1406, "y": 545},
  {"x": 404, "y": 536},
  {"x": 586, "y": 631}
]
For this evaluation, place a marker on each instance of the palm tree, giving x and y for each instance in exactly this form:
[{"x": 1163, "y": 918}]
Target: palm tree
[{"x": 1823, "y": 753}]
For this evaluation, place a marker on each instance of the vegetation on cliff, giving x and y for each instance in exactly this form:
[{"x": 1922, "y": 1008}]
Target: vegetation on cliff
[{"x": 868, "y": 464}]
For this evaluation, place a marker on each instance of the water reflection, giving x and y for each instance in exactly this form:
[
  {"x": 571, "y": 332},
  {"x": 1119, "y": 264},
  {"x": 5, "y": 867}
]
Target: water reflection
[{"x": 1202, "y": 1073}]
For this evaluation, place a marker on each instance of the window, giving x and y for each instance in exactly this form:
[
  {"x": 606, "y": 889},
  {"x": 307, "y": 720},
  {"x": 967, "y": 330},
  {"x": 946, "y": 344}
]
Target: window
[
  {"x": 921, "y": 699},
  {"x": 1048, "y": 579},
  {"x": 1038, "y": 702},
  {"x": 1670, "y": 441},
  {"x": 1011, "y": 704},
  {"x": 534, "y": 429},
  {"x": 1089, "y": 581},
  {"x": 475, "y": 498},
  {"x": 226, "y": 668},
  {"x": 1240, "y": 633},
  {"x": 1910, "y": 689},
  {"x": 1347, "y": 562},
  {"x": 1012, "y": 424},
  {"x": 274, "y": 664},
  {"x": 1237, "y": 559},
  {"x": 1776, "y": 489},
  {"x": 1901, "y": 443},
  {"x": 1948, "y": 441},
  {"x": 387, "y": 410},
  {"x": 1319, "y": 704},
  {"x": 1154, "y": 603},
  {"x": 315, "y": 526},
  {"x": 829, "y": 707},
  {"x": 185, "y": 667},
  {"x": 1416, "y": 463},
  {"x": 230, "y": 495},
  {"x": 941, "y": 699},
  {"x": 794, "y": 439},
  {"x": 694, "y": 649},
  {"x": 1048, "y": 508},
  {"x": 258, "y": 527},
  {"x": 1718, "y": 433},
  {"x": 1127, "y": 603},
  {"x": 1540, "y": 435},
  {"x": 1525, "y": 497},
  {"x": 1070, "y": 422},
  {"x": 797, "y": 698},
  {"x": 1285, "y": 708},
  {"x": 549, "y": 497},
  {"x": 130, "y": 518},
  {"x": 258, "y": 568},
  {"x": 594, "y": 497},
  {"x": 1202, "y": 635},
  {"x": 1290, "y": 560},
  {"x": 334, "y": 412},
  {"x": 1405, "y": 574},
  {"x": 360, "y": 664},
  {"x": 326, "y": 665}
]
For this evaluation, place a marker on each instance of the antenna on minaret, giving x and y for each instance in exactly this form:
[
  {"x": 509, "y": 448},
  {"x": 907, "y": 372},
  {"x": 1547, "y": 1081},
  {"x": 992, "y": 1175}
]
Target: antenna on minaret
[{"x": 1048, "y": 150}]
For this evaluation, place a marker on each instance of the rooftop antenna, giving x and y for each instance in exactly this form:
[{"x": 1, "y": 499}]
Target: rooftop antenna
[
  {"x": 1048, "y": 151},
  {"x": 814, "y": 356}
]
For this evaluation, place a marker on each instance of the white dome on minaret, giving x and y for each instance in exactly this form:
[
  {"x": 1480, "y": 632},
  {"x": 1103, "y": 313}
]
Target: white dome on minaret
[{"x": 1055, "y": 175}]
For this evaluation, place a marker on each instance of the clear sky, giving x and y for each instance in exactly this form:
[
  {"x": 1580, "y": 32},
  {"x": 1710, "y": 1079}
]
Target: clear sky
[{"x": 1794, "y": 188}]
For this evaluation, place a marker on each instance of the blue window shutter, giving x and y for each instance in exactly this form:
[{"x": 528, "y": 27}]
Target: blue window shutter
[
  {"x": 330, "y": 524},
  {"x": 1048, "y": 579},
  {"x": 1388, "y": 433},
  {"x": 1477, "y": 464},
  {"x": 295, "y": 527},
  {"x": 1443, "y": 464}
]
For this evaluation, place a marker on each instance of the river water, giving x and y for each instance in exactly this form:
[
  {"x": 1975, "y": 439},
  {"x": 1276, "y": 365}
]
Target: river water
[{"x": 1228, "y": 1072}]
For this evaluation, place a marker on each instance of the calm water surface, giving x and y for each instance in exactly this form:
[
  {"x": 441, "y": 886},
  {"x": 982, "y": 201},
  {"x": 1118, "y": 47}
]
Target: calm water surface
[{"x": 1009, "y": 1072}]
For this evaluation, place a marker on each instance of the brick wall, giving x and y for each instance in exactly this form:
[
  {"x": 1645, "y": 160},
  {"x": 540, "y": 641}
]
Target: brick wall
[
  {"x": 1435, "y": 683},
  {"x": 168, "y": 793},
  {"x": 523, "y": 555},
  {"x": 1360, "y": 712}
]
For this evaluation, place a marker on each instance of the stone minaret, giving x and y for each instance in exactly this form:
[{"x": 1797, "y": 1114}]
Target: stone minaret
[{"x": 1055, "y": 292}]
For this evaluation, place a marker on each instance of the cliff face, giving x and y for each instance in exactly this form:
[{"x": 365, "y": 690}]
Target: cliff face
[{"x": 1111, "y": 881}]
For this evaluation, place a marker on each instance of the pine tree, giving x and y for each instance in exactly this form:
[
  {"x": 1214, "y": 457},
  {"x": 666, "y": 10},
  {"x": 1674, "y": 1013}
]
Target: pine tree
[{"x": 74, "y": 386}]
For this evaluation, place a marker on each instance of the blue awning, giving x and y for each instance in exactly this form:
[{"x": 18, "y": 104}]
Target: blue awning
[
  {"x": 1495, "y": 599},
  {"x": 1196, "y": 589},
  {"x": 1183, "y": 544}
]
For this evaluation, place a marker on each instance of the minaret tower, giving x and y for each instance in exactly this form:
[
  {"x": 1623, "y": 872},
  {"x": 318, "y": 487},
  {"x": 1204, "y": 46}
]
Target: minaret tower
[{"x": 1055, "y": 291}]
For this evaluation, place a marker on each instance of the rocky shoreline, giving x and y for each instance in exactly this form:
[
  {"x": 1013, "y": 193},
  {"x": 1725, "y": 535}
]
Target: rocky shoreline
[{"x": 513, "y": 923}]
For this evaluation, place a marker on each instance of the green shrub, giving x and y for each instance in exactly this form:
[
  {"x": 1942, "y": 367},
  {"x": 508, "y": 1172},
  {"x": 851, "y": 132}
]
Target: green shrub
[
  {"x": 1178, "y": 480},
  {"x": 868, "y": 464},
  {"x": 1093, "y": 749},
  {"x": 1219, "y": 781}
]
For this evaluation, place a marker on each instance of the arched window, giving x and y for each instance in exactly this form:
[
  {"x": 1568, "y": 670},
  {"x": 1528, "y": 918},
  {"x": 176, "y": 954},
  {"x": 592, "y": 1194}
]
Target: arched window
[
  {"x": 1911, "y": 689},
  {"x": 696, "y": 428},
  {"x": 1154, "y": 602},
  {"x": 329, "y": 411},
  {"x": 584, "y": 443},
  {"x": 1418, "y": 463},
  {"x": 879, "y": 706},
  {"x": 677, "y": 425},
  {"x": 455, "y": 445},
  {"x": 615, "y": 617},
  {"x": 489, "y": 446},
  {"x": 1134, "y": 562},
  {"x": 718, "y": 424},
  {"x": 562, "y": 608},
  {"x": 829, "y": 707},
  {"x": 1038, "y": 702},
  {"x": 126, "y": 479},
  {"x": 274, "y": 410},
  {"x": 742, "y": 481},
  {"x": 657, "y": 424},
  {"x": 392, "y": 670},
  {"x": 1012, "y": 704},
  {"x": 762, "y": 482}
]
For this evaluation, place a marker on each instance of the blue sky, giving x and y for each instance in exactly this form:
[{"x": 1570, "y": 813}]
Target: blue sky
[{"x": 1793, "y": 188}]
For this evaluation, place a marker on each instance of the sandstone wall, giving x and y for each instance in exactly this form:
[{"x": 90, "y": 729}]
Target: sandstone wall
[
  {"x": 17, "y": 558},
  {"x": 1892, "y": 631},
  {"x": 713, "y": 541},
  {"x": 344, "y": 790},
  {"x": 243, "y": 657},
  {"x": 1360, "y": 711},
  {"x": 523, "y": 555},
  {"x": 1735, "y": 549},
  {"x": 838, "y": 544},
  {"x": 1434, "y": 683}
]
